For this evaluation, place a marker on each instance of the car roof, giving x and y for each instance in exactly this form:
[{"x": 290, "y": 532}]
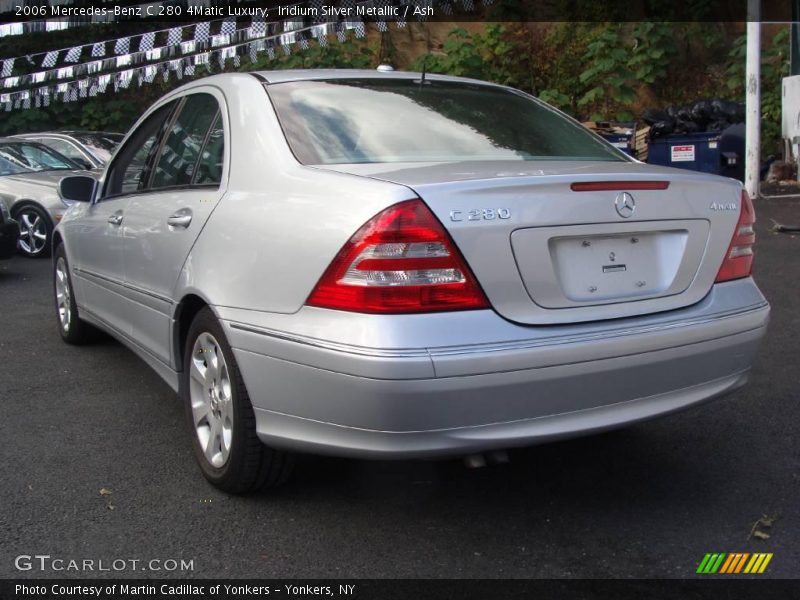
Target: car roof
[
  {"x": 67, "y": 133},
  {"x": 15, "y": 138},
  {"x": 285, "y": 75}
]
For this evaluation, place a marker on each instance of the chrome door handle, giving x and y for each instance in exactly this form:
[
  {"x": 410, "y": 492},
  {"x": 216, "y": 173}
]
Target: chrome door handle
[
  {"x": 115, "y": 219},
  {"x": 181, "y": 218}
]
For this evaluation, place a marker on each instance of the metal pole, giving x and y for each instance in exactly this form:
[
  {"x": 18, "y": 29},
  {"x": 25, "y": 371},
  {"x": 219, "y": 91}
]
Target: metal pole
[{"x": 753, "y": 100}]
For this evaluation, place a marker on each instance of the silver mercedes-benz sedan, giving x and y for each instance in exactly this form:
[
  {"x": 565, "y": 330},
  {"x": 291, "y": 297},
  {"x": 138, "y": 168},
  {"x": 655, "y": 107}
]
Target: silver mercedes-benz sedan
[{"x": 397, "y": 265}]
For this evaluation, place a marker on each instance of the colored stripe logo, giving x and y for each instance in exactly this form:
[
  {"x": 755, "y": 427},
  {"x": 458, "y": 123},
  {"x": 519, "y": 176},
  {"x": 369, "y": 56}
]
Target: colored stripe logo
[{"x": 734, "y": 563}]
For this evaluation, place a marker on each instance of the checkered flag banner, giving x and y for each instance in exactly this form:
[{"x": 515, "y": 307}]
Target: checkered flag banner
[
  {"x": 228, "y": 27},
  {"x": 258, "y": 29},
  {"x": 8, "y": 67},
  {"x": 468, "y": 5},
  {"x": 99, "y": 49},
  {"x": 201, "y": 32},
  {"x": 175, "y": 36},
  {"x": 73, "y": 55},
  {"x": 147, "y": 42},
  {"x": 122, "y": 46},
  {"x": 50, "y": 59},
  {"x": 253, "y": 52},
  {"x": 360, "y": 29}
]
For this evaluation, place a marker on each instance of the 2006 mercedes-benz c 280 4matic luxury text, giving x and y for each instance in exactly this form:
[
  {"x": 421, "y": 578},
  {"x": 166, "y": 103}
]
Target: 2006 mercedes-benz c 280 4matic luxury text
[{"x": 397, "y": 265}]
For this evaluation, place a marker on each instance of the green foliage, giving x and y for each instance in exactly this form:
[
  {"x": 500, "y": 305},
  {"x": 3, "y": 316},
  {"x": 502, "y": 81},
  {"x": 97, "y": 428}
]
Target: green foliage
[
  {"x": 350, "y": 54},
  {"x": 607, "y": 71},
  {"x": 652, "y": 52},
  {"x": 607, "y": 77}
]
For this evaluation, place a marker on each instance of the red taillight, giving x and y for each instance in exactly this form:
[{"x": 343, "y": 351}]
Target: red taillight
[
  {"x": 401, "y": 261},
  {"x": 738, "y": 261}
]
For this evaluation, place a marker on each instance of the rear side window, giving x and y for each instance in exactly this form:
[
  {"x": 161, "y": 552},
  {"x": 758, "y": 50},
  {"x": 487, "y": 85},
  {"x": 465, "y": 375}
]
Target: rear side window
[
  {"x": 185, "y": 145},
  {"x": 403, "y": 120},
  {"x": 209, "y": 168}
]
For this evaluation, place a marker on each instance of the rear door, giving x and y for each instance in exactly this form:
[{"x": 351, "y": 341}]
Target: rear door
[{"x": 188, "y": 178}]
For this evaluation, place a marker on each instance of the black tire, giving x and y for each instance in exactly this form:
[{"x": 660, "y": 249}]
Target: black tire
[
  {"x": 76, "y": 332},
  {"x": 250, "y": 465},
  {"x": 34, "y": 211}
]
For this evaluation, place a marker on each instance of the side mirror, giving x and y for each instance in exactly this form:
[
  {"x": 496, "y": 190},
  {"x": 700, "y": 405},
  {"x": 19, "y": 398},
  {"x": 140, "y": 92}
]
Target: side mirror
[{"x": 77, "y": 188}]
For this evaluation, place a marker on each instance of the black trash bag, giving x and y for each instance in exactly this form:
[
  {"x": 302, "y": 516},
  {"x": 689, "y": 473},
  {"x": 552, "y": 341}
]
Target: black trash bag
[
  {"x": 701, "y": 112},
  {"x": 718, "y": 110},
  {"x": 717, "y": 125},
  {"x": 662, "y": 128},
  {"x": 686, "y": 126},
  {"x": 652, "y": 116},
  {"x": 684, "y": 114},
  {"x": 672, "y": 111},
  {"x": 729, "y": 110}
]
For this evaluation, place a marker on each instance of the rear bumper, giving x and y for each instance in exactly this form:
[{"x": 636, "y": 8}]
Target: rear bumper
[
  {"x": 9, "y": 235},
  {"x": 402, "y": 400}
]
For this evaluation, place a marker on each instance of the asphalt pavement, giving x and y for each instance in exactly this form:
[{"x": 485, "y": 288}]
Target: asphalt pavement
[{"x": 96, "y": 464}]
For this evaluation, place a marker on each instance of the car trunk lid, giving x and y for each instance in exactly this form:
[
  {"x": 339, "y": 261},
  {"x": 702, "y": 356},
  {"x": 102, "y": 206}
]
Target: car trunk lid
[{"x": 545, "y": 253}]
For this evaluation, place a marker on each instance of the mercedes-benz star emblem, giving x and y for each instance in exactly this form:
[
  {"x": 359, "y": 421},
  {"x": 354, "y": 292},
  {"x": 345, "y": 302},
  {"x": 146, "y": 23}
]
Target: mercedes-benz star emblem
[{"x": 625, "y": 205}]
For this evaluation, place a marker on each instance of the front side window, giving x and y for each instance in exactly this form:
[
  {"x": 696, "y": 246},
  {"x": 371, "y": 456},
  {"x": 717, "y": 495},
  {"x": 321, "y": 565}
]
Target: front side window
[
  {"x": 129, "y": 172},
  {"x": 29, "y": 157},
  {"x": 183, "y": 148},
  {"x": 403, "y": 120}
]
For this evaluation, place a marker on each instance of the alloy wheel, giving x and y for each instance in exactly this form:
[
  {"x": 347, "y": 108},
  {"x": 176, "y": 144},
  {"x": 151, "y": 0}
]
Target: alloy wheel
[
  {"x": 63, "y": 294},
  {"x": 32, "y": 231},
  {"x": 211, "y": 401}
]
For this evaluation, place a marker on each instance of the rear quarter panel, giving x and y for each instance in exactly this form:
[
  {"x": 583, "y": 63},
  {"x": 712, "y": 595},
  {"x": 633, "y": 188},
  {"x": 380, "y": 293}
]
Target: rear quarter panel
[{"x": 279, "y": 226}]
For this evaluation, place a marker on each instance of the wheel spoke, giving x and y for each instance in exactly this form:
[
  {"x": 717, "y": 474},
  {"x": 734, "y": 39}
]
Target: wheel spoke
[
  {"x": 197, "y": 371},
  {"x": 26, "y": 220},
  {"x": 202, "y": 414},
  {"x": 213, "y": 445}
]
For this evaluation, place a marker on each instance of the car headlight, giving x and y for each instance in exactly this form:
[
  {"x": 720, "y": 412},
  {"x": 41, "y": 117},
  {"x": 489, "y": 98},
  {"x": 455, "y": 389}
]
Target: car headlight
[{"x": 4, "y": 211}]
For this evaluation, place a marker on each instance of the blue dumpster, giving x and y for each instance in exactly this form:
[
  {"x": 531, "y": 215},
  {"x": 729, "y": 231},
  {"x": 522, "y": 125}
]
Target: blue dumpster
[
  {"x": 709, "y": 152},
  {"x": 620, "y": 140}
]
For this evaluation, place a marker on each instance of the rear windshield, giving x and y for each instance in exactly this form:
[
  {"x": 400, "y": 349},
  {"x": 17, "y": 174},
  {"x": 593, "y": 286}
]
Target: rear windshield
[
  {"x": 101, "y": 145},
  {"x": 394, "y": 120}
]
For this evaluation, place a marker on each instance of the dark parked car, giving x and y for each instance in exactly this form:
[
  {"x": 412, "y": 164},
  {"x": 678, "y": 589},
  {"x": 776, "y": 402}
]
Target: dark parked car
[
  {"x": 89, "y": 149},
  {"x": 9, "y": 232}
]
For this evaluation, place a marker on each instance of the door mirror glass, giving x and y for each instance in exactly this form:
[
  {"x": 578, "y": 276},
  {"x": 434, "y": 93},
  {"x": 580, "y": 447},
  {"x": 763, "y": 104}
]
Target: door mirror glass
[{"x": 77, "y": 188}]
